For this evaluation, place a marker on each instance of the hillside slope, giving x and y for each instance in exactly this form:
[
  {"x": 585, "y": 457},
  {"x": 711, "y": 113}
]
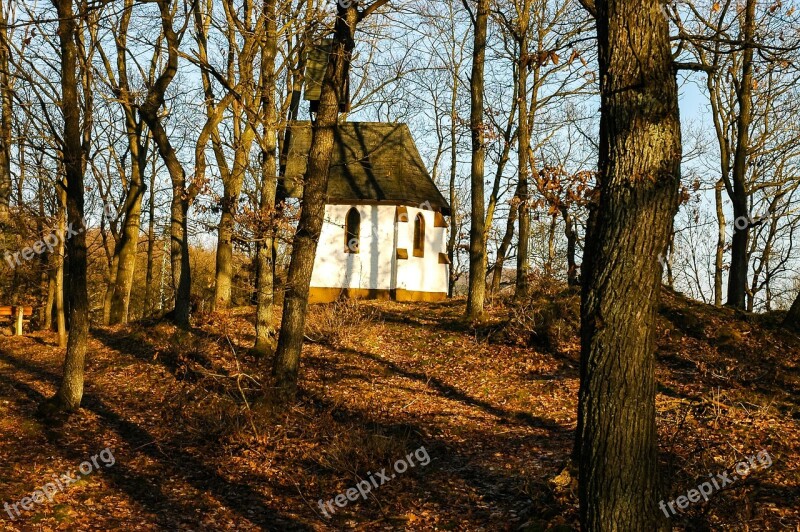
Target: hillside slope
[{"x": 494, "y": 409}]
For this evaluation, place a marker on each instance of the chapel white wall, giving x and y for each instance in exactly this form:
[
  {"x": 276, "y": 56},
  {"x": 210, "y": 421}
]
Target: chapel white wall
[{"x": 376, "y": 266}]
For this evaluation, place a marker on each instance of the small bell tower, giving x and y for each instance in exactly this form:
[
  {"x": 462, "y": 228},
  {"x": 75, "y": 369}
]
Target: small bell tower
[{"x": 317, "y": 59}]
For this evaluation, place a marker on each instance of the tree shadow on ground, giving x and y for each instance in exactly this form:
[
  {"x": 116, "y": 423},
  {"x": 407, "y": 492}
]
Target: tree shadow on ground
[{"x": 172, "y": 459}]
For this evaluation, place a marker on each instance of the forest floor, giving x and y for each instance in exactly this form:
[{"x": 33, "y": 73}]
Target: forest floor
[{"x": 494, "y": 408}]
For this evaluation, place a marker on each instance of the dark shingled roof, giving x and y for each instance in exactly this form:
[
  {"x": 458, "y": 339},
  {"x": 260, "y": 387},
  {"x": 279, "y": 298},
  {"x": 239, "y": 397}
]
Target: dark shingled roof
[{"x": 372, "y": 161}]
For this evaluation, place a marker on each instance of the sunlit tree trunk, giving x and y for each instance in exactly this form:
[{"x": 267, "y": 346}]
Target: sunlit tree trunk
[
  {"x": 6, "y": 117},
  {"x": 265, "y": 332},
  {"x": 477, "y": 241},
  {"x": 150, "y": 288}
]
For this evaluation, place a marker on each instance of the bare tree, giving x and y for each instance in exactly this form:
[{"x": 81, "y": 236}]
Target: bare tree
[
  {"x": 477, "y": 232},
  {"x": 137, "y": 151},
  {"x": 290, "y": 341},
  {"x": 70, "y": 391},
  {"x": 182, "y": 196}
]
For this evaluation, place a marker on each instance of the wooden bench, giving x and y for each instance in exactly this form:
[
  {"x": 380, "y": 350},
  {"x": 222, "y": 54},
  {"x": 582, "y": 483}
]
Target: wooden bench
[{"x": 18, "y": 314}]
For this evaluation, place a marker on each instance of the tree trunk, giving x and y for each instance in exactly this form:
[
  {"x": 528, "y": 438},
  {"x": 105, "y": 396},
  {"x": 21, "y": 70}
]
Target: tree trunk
[
  {"x": 502, "y": 251},
  {"x": 452, "y": 239},
  {"x": 181, "y": 197},
  {"x": 5, "y": 120},
  {"x": 111, "y": 279},
  {"x": 230, "y": 201},
  {"x": 639, "y": 167},
  {"x": 47, "y": 318},
  {"x": 737, "y": 276},
  {"x": 572, "y": 241},
  {"x": 719, "y": 259},
  {"x": 477, "y": 242},
  {"x": 792, "y": 319},
  {"x": 150, "y": 289},
  {"x": 265, "y": 332},
  {"x": 128, "y": 244},
  {"x": 61, "y": 321},
  {"x": 290, "y": 340},
  {"x": 70, "y": 392},
  {"x": 523, "y": 264}
]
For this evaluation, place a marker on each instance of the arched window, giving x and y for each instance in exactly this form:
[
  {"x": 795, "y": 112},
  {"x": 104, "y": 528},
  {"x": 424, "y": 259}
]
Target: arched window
[
  {"x": 419, "y": 236},
  {"x": 352, "y": 231}
]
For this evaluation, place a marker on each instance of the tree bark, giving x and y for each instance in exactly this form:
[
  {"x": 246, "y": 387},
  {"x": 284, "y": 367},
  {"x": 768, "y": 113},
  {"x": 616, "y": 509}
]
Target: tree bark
[
  {"x": 792, "y": 318},
  {"x": 719, "y": 258},
  {"x": 265, "y": 332},
  {"x": 181, "y": 197},
  {"x": 523, "y": 265},
  {"x": 150, "y": 288},
  {"x": 128, "y": 243},
  {"x": 61, "y": 320},
  {"x": 639, "y": 167},
  {"x": 452, "y": 239},
  {"x": 502, "y": 251},
  {"x": 70, "y": 392},
  {"x": 6, "y": 116},
  {"x": 572, "y": 244},
  {"x": 290, "y": 340},
  {"x": 737, "y": 276},
  {"x": 477, "y": 240}
]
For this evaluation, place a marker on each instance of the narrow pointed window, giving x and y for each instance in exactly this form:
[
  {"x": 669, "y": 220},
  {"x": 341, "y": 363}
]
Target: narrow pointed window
[
  {"x": 352, "y": 231},
  {"x": 419, "y": 236}
]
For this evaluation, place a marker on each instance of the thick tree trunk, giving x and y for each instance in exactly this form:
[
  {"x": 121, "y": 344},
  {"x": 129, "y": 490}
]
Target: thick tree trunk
[
  {"x": 128, "y": 243},
  {"x": 639, "y": 166},
  {"x": 737, "y": 276},
  {"x": 224, "y": 262},
  {"x": 179, "y": 243},
  {"x": 70, "y": 390},
  {"x": 265, "y": 332},
  {"x": 477, "y": 241},
  {"x": 290, "y": 340}
]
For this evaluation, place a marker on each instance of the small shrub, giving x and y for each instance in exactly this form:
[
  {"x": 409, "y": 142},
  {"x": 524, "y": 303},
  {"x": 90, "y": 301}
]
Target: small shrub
[
  {"x": 332, "y": 323},
  {"x": 548, "y": 319}
]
